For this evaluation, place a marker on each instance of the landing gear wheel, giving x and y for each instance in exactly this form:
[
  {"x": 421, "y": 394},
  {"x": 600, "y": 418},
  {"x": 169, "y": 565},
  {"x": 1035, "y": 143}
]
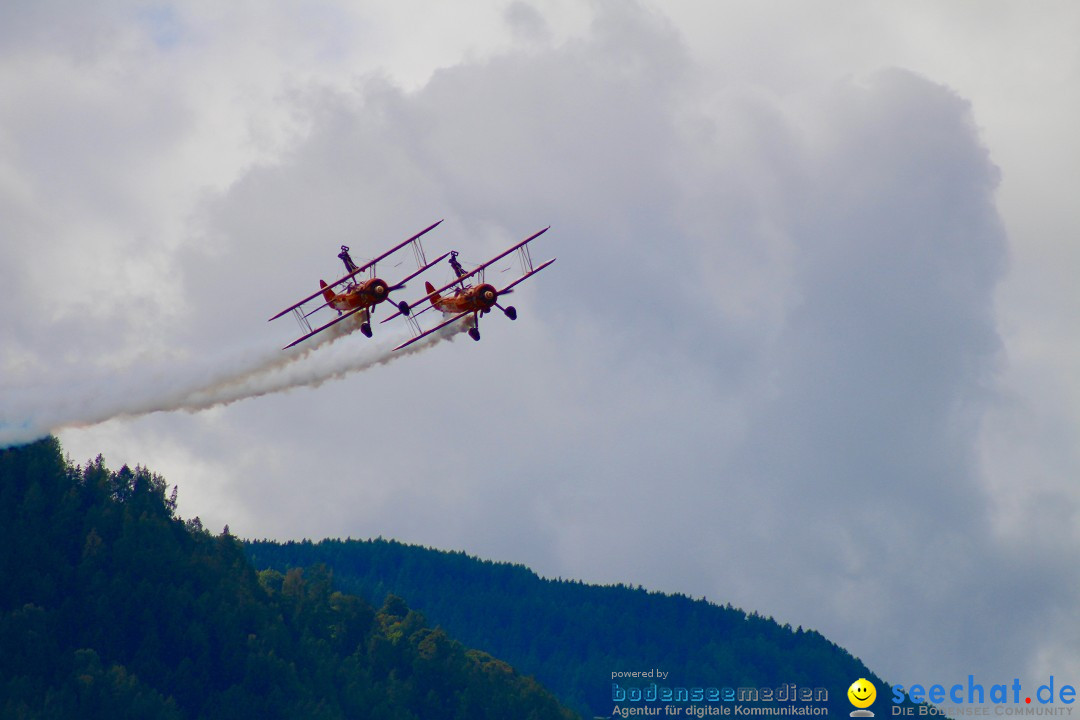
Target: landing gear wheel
[
  {"x": 366, "y": 329},
  {"x": 511, "y": 312},
  {"x": 474, "y": 333},
  {"x": 403, "y": 307}
]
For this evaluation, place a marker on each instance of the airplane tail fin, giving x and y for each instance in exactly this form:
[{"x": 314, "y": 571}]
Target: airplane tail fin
[
  {"x": 436, "y": 298},
  {"x": 327, "y": 293}
]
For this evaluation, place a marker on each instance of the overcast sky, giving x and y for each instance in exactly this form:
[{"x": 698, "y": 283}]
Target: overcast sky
[{"x": 809, "y": 346}]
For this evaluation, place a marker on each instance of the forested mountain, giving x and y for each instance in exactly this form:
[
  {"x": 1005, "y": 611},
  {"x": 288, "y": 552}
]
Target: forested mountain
[
  {"x": 112, "y": 607},
  {"x": 572, "y": 636}
]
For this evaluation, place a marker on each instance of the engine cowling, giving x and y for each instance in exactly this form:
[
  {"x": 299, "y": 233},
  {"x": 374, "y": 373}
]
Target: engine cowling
[
  {"x": 486, "y": 296},
  {"x": 378, "y": 288}
]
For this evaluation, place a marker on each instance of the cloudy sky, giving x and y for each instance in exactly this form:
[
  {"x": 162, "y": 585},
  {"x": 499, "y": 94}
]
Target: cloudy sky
[{"x": 809, "y": 346}]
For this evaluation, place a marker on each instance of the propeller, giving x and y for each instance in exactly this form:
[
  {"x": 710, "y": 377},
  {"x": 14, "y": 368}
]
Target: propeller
[{"x": 403, "y": 307}]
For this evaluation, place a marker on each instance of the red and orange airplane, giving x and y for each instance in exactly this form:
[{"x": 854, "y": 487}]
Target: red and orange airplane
[
  {"x": 467, "y": 300},
  {"x": 358, "y": 296}
]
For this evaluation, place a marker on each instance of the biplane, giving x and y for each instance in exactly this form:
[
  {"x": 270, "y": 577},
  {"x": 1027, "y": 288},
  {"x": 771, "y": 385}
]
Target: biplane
[
  {"x": 468, "y": 295},
  {"x": 352, "y": 295}
]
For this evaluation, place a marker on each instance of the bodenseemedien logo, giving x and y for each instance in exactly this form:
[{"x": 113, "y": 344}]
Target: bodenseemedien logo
[{"x": 862, "y": 694}]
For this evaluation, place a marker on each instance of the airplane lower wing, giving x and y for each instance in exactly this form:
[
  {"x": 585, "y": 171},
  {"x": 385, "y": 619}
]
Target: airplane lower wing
[
  {"x": 438, "y": 327},
  {"x": 319, "y": 329},
  {"x": 537, "y": 269}
]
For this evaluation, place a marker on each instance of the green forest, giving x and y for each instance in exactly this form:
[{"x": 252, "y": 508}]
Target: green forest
[
  {"x": 113, "y": 607},
  {"x": 571, "y": 636}
]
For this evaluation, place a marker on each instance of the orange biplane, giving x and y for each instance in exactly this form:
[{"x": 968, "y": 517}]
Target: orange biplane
[
  {"x": 466, "y": 300},
  {"x": 350, "y": 295}
]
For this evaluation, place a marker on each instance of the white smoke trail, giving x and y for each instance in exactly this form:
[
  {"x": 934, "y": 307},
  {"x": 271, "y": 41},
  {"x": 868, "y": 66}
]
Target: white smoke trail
[
  {"x": 333, "y": 364},
  {"x": 221, "y": 381},
  {"x": 267, "y": 361}
]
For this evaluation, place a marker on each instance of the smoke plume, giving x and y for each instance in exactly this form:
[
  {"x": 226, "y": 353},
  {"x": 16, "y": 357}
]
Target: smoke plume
[{"x": 200, "y": 386}]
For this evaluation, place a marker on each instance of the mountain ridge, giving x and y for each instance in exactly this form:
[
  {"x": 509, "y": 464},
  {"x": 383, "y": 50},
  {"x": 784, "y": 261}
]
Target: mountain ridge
[
  {"x": 113, "y": 606},
  {"x": 572, "y": 636}
]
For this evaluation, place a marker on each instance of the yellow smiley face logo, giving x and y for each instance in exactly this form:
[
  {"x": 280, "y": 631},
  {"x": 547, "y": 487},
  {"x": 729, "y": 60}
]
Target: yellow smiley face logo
[{"x": 862, "y": 693}]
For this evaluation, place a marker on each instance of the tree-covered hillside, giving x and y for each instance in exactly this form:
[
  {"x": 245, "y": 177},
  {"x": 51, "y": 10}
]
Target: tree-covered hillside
[
  {"x": 112, "y": 607},
  {"x": 572, "y": 636}
]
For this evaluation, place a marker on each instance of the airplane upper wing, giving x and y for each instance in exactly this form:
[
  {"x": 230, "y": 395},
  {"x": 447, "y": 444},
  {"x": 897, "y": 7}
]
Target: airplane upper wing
[
  {"x": 319, "y": 329},
  {"x": 480, "y": 267},
  {"x": 359, "y": 270}
]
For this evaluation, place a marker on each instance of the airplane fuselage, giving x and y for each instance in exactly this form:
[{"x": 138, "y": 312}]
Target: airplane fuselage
[
  {"x": 366, "y": 294},
  {"x": 480, "y": 298}
]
